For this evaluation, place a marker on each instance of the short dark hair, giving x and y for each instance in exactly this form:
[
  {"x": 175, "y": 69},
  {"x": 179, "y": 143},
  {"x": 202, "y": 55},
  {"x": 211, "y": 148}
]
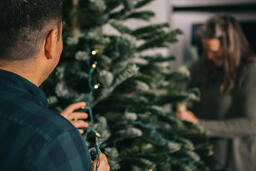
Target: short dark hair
[{"x": 22, "y": 26}]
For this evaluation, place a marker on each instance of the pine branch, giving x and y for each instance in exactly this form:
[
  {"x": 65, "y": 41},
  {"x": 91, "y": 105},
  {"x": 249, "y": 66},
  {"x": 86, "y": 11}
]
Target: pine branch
[
  {"x": 159, "y": 58},
  {"x": 118, "y": 15},
  {"x": 159, "y": 41},
  {"x": 128, "y": 4},
  {"x": 148, "y": 29},
  {"x": 142, "y": 15},
  {"x": 120, "y": 27},
  {"x": 131, "y": 71},
  {"x": 142, "y": 3},
  {"x": 112, "y": 4}
]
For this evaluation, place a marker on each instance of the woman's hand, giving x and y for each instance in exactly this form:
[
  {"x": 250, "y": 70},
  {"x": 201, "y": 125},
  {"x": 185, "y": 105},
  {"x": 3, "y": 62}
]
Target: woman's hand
[
  {"x": 185, "y": 114},
  {"x": 76, "y": 118}
]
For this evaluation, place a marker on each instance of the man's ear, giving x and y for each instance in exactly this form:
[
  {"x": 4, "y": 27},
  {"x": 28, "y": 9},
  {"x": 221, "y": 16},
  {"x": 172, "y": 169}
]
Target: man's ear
[{"x": 50, "y": 44}]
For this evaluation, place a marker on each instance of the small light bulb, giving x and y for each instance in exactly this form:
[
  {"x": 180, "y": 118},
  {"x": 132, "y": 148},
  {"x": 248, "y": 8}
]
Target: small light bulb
[
  {"x": 94, "y": 65},
  {"x": 98, "y": 134},
  {"x": 96, "y": 86},
  {"x": 150, "y": 170},
  {"x": 94, "y": 52}
]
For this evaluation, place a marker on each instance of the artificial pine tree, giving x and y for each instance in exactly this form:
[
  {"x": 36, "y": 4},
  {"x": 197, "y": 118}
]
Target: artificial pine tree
[{"x": 131, "y": 95}]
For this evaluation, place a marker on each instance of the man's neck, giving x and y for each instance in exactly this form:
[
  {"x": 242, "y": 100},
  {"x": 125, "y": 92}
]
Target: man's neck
[{"x": 28, "y": 73}]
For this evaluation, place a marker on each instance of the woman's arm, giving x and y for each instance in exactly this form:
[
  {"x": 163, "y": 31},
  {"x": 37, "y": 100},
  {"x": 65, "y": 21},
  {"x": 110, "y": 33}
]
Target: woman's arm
[{"x": 242, "y": 126}]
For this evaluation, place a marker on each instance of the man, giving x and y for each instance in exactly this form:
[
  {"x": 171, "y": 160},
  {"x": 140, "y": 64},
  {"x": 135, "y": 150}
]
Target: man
[{"x": 32, "y": 136}]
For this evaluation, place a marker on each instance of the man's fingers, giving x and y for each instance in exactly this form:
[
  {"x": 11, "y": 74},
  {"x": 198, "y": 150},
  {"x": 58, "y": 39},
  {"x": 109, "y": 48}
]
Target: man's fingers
[
  {"x": 103, "y": 165},
  {"x": 81, "y": 131},
  {"x": 104, "y": 161},
  {"x": 78, "y": 115},
  {"x": 74, "y": 107},
  {"x": 80, "y": 124}
]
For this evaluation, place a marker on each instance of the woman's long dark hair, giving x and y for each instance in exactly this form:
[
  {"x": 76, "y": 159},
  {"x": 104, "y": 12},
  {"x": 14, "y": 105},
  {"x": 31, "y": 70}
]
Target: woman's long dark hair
[{"x": 236, "y": 48}]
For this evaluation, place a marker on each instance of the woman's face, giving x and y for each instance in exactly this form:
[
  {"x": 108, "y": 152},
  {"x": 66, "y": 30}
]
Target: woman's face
[{"x": 214, "y": 51}]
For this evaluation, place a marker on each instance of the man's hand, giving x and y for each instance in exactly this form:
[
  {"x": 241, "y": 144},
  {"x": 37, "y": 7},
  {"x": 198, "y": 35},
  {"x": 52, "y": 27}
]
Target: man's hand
[
  {"x": 75, "y": 117},
  {"x": 185, "y": 114},
  {"x": 103, "y": 165}
]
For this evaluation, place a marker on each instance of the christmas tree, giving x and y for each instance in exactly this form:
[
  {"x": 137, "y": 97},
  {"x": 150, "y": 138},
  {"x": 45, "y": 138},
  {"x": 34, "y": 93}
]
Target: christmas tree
[{"x": 131, "y": 95}]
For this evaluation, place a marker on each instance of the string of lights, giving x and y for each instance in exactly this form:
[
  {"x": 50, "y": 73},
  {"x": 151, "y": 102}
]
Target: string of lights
[
  {"x": 88, "y": 108},
  {"x": 160, "y": 140}
]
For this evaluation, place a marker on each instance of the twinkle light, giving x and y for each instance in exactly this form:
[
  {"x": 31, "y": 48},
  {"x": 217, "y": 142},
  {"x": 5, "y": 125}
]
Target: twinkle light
[
  {"x": 98, "y": 134},
  {"x": 94, "y": 52},
  {"x": 94, "y": 65},
  {"x": 96, "y": 86},
  {"x": 150, "y": 170},
  {"x": 88, "y": 105}
]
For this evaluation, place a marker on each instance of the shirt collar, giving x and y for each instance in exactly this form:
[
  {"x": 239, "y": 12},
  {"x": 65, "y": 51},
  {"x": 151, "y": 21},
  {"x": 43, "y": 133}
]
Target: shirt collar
[{"x": 10, "y": 79}]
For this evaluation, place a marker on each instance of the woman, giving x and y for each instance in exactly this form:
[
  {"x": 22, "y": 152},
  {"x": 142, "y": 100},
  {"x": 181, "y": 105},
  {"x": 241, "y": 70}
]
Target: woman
[{"x": 226, "y": 77}]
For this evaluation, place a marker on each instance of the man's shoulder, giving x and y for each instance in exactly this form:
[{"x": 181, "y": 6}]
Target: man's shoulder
[
  {"x": 23, "y": 110},
  {"x": 50, "y": 124},
  {"x": 30, "y": 131}
]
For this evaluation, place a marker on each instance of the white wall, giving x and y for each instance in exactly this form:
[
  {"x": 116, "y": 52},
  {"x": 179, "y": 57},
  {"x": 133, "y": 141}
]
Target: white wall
[{"x": 191, "y": 3}]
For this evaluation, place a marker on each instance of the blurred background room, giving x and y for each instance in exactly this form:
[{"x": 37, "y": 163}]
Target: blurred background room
[{"x": 188, "y": 15}]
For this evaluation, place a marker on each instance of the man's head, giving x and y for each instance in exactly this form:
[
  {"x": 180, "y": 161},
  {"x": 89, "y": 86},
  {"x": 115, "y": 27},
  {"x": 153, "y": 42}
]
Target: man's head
[{"x": 28, "y": 28}]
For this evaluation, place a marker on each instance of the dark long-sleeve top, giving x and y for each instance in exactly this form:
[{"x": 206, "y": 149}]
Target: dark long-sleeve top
[
  {"x": 32, "y": 137},
  {"x": 229, "y": 118}
]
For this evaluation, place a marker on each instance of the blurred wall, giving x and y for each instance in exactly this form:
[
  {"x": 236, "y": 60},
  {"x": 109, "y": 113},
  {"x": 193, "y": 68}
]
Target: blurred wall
[{"x": 187, "y": 14}]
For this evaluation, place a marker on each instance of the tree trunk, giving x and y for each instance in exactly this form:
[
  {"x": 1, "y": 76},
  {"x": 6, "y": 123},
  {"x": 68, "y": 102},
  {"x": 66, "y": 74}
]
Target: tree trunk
[{"x": 75, "y": 28}]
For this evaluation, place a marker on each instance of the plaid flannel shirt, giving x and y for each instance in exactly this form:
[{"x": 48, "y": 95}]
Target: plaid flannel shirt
[{"x": 32, "y": 137}]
